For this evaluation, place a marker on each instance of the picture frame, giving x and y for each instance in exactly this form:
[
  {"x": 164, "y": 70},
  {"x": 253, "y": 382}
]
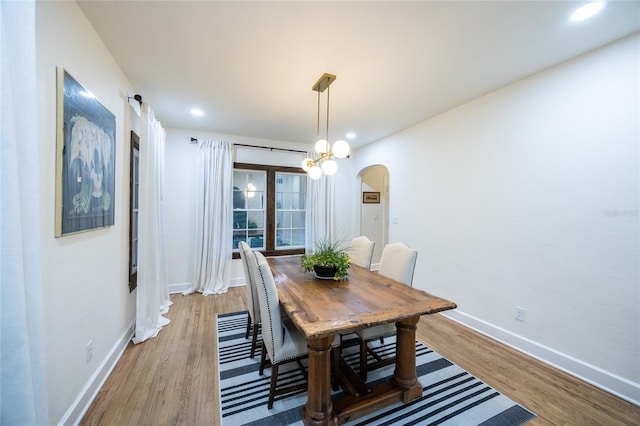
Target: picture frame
[
  {"x": 370, "y": 198},
  {"x": 85, "y": 159}
]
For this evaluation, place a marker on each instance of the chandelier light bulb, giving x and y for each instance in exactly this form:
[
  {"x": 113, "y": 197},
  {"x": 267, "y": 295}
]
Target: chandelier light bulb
[
  {"x": 315, "y": 172},
  {"x": 322, "y": 146},
  {"x": 341, "y": 149},
  {"x": 307, "y": 163},
  {"x": 329, "y": 167}
]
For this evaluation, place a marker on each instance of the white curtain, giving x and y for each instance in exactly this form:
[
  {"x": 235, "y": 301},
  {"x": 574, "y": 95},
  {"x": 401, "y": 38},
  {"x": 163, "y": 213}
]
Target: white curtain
[
  {"x": 152, "y": 299},
  {"x": 320, "y": 217},
  {"x": 213, "y": 218},
  {"x": 23, "y": 389}
]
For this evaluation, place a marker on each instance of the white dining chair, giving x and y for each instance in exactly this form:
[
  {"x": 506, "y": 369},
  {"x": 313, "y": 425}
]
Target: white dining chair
[
  {"x": 253, "y": 305},
  {"x": 397, "y": 262},
  {"x": 281, "y": 340},
  {"x": 361, "y": 251}
]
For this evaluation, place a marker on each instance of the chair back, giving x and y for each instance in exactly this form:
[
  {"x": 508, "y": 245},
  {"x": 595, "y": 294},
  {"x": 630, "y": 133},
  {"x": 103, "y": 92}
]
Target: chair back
[
  {"x": 272, "y": 329},
  {"x": 398, "y": 262},
  {"x": 253, "y": 305},
  {"x": 361, "y": 251}
]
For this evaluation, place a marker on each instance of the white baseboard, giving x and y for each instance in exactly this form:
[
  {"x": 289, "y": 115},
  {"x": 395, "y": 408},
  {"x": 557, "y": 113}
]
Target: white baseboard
[
  {"x": 179, "y": 287},
  {"x": 182, "y": 287},
  {"x": 596, "y": 376},
  {"x": 82, "y": 403},
  {"x": 237, "y": 282}
]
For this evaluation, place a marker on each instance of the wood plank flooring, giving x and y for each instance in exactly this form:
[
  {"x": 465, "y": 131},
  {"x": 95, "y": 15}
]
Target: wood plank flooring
[{"x": 172, "y": 379}]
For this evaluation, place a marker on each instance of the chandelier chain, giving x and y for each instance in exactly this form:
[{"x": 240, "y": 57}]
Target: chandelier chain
[
  {"x": 318, "y": 126},
  {"x": 326, "y": 136}
]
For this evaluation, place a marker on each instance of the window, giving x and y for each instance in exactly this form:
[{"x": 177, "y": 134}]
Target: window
[
  {"x": 269, "y": 208},
  {"x": 249, "y": 213},
  {"x": 133, "y": 214},
  {"x": 291, "y": 191}
]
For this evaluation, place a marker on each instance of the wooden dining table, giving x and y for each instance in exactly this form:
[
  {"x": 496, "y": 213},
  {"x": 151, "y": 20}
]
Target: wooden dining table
[{"x": 323, "y": 309}]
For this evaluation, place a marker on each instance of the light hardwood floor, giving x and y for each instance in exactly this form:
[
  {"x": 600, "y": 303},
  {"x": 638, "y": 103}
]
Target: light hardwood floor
[{"x": 172, "y": 379}]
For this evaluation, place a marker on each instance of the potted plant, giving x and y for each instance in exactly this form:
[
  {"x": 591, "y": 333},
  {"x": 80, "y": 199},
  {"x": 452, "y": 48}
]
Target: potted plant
[{"x": 330, "y": 259}]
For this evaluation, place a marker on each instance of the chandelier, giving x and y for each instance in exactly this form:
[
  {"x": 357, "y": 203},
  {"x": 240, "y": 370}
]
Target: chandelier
[{"x": 325, "y": 162}]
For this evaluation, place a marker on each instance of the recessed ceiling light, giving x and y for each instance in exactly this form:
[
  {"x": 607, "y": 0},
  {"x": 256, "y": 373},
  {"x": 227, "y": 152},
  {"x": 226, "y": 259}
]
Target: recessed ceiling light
[
  {"x": 587, "y": 11},
  {"x": 197, "y": 112},
  {"x": 351, "y": 135}
]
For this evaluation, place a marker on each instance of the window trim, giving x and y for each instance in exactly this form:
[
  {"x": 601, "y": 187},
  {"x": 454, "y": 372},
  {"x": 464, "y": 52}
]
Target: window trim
[
  {"x": 270, "y": 207},
  {"x": 133, "y": 178}
]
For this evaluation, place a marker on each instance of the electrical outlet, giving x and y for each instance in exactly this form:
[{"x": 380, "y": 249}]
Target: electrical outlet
[
  {"x": 520, "y": 313},
  {"x": 89, "y": 351}
]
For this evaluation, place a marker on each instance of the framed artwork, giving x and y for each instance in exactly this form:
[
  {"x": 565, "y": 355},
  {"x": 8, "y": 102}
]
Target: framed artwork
[
  {"x": 85, "y": 159},
  {"x": 371, "y": 198}
]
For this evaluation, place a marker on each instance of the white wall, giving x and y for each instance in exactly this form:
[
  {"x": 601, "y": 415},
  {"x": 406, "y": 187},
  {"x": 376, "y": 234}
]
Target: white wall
[
  {"x": 85, "y": 276},
  {"x": 529, "y": 197}
]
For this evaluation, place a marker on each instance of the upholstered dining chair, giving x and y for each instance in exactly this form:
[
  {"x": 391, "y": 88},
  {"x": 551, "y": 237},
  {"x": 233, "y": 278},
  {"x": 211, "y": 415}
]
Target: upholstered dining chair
[
  {"x": 397, "y": 262},
  {"x": 281, "y": 340},
  {"x": 253, "y": 305},
  {"x": 361, "y": 251}
]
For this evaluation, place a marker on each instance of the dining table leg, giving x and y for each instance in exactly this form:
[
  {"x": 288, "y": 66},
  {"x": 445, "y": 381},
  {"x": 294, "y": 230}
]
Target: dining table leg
[
  {"x": 404, "y": 376},
  {"x": 319, "y": 409}
]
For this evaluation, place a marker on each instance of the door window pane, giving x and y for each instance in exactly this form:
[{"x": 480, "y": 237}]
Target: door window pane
[
  {"x": 249, "y": 213},
  {"x": 291, "y": 192}
]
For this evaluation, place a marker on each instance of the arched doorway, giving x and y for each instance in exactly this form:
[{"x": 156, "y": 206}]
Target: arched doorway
[{"x": 374, "y": 211}]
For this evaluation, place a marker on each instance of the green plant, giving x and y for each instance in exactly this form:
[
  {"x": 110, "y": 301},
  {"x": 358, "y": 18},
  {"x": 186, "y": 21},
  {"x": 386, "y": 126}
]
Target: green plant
[{"x": 328, "y": 253}]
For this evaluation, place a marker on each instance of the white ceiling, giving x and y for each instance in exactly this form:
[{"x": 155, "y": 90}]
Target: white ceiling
[{"x": 251, "y": 65}]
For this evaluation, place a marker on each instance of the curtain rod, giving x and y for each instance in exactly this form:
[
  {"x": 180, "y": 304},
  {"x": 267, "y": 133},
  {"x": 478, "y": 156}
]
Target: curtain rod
[
  {"x": 137, "y": 98},
  {"x": 195, "y": 140},
  {"x": 270, "y": 148}
]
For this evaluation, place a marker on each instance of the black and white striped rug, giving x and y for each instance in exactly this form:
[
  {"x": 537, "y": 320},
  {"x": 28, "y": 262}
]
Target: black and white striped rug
[{"x": 451, "y": 395}]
